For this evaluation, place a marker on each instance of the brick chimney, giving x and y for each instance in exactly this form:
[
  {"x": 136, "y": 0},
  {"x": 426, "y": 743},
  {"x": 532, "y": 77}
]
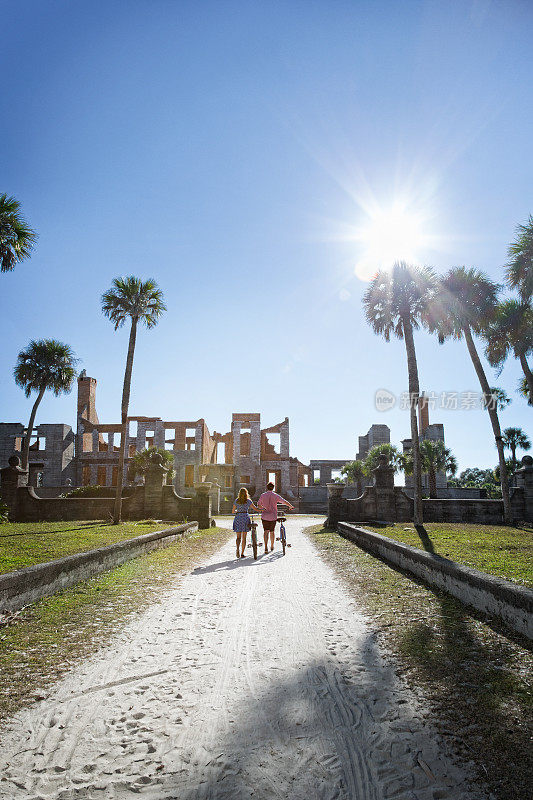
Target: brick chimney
[
  {"x": 87, "y": 398},
  {"x": 423, "y": 413}
]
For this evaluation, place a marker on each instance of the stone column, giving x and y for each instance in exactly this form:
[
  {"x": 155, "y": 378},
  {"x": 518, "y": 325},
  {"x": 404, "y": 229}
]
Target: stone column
[
  {"x": 12, "y": 478},
  {"x": 95, "y": 441},
  {"x": 202, "y": 504},
  {"x": 384, "y": 486},
  {"x": 524, "y": 480},
  {"x": 153, "y": 487},
  {"x": 215, "y": 497},
  {"x": 236, "y": 431},
  {"x": 336, "y": 504},
  {"x": 255, "y": 440},
  {"x": 284, "y": 439}
]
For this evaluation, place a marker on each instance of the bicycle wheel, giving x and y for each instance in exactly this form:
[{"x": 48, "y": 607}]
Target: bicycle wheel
[
  {"x": 254, "y": 543},
  {"x": 283, "y": 538}
]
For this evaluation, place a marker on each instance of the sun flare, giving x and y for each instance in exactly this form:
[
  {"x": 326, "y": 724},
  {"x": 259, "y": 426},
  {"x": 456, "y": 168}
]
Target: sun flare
[{"x": 390, "y": 235}]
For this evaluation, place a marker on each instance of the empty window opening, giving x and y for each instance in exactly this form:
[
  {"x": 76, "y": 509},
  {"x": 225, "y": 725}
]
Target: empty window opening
[
  {"x": 229, "y": 481},
  {"x": 18, "y": 443},
  {"x": 189, "y": 476},
  {"x": 274, "y": 440},
  {"x": 169, "y": 445},
  {"x": 316, "y": 476},
  {"x": 150, "y": 437},
  {"x": 133, "y": 429},
  {"x": 190, "y": 432},
  {"x": 86, "y": 476},
  {"x": 306, "y": 480},
  {"x": 34, "y": 442},
  {"x": 101, "y": 475},
  {"x": 190, "y": 446},
  {"x": 221, "y": 453},
  {"x": 274, "y": 477},
  {"x": 336, "y": 474},
  {"x": 245, "y": 479},
  {"x": 131, "y": 450}
]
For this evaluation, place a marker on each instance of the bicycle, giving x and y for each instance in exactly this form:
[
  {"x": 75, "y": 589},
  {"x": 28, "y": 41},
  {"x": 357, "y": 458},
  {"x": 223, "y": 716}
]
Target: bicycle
[{"x": 282, "y": 534}]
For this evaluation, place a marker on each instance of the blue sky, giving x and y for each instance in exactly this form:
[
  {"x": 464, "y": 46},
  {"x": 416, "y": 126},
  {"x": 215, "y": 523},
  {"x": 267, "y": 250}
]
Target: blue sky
[{"x": 230, "y": 150}]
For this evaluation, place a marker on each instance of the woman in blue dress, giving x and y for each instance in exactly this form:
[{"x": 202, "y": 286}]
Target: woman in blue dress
[{"x": 242, "y": 522}]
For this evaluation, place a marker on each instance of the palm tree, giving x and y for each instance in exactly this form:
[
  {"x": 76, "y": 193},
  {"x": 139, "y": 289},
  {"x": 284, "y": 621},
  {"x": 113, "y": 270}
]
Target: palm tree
[
  {"x": 511, "y": 331},
  {"x": 499, "y": 398},
  {"x": 519, "y": 270},
  {"x": 395, "y": 303},
  {"x": 466, "y": 304},
  {"x": 436, "y": 457},
  {"x": 523, "y": 390},
  {"x": 372, "y": 457},
  {"x": 355, "y": 472},
  {"x": 44, "y": 364},
  {"x": 16, "y": 236},
  {"x": 130, "y": 298},
  {"x": 142, "y": 460},
  {"x": 514, "y": 438}
]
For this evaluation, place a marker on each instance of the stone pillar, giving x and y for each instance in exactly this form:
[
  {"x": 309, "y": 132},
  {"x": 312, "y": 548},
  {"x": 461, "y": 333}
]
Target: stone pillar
[
  {"x": 384, "y": 485},
  {"x": 284, "y": 447},
  {"x": 336, "y": 504},
  {"x": 215, "y": 497},
  {"x": 236, "y": 431},
  {"x": 202, "y": 504},
  {"x": 255, "y": 440},
  {"x": 524, "y": 480},
  {"x": 11, "y": 478},
  {"x": 95, "y": 441},
  {"x": 325, "y": 475},
  {"x": 154, "y": 480}
]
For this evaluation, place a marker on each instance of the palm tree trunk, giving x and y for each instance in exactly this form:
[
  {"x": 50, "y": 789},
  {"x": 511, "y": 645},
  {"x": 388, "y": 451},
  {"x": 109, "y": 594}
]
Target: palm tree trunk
[
  {"x": 414, "y": 391},
  {"x": 432, "y": 480},
  {"x": 528, "y": 374},
  {"x": 493, "y": 414},
  {"x": 26, "y": 448},
  {"x": 117, "y": 511}
]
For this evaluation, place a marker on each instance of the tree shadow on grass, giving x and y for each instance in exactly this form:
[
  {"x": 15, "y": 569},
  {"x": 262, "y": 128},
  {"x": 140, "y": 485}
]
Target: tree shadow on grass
[
  {"x": 424, "y": 538},
  {"x": 472, "y": 681},
  {"x": 58, "y": 530}
]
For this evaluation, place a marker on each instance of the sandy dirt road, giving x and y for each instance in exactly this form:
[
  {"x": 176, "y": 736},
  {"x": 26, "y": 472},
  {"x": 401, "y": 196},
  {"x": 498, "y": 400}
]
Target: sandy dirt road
[{"x": 249, "y": 680}]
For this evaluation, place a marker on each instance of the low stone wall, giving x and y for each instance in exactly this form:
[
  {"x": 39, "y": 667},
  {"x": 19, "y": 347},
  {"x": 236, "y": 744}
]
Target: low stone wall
[
  {"x": 496, "y": 597},
  {"x": 25, "y": 586}
]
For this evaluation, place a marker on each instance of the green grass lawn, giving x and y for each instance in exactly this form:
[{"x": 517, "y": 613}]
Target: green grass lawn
[
  {"x": 476, "y": 681},
  {"x": 43, "y": 641},
  {"x": 23, "y": 544},
  {"x": 497, "y": 550}
]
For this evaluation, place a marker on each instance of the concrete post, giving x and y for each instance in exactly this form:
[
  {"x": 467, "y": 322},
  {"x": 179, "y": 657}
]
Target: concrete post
[
  {"x": 11, "y": 478},
  {"x": 524, "y": 480}
]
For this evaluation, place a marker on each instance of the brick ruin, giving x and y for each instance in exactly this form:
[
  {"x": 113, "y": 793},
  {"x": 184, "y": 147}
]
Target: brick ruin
[{"x": 247, "y": 455}]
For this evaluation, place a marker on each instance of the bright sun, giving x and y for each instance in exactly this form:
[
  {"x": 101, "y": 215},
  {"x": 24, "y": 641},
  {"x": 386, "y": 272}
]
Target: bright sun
[{"x": 390, "y": 235}]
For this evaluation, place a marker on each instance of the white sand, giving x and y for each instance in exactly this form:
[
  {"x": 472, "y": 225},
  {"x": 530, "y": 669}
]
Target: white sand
[{"x": 250, "y": 680}]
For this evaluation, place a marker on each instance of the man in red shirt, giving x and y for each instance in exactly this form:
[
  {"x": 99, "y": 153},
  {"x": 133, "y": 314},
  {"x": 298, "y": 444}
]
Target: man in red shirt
[{"x": 268, "y": 503}]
